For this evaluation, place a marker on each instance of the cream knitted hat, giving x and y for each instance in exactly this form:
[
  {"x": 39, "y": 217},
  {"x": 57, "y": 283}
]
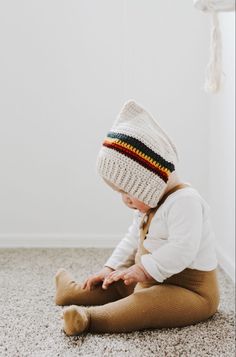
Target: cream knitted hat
[{"x": 137, "y": 156}]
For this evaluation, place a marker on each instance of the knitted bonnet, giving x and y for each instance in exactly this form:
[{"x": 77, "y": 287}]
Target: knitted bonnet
[{"x": 137, "y": 156}]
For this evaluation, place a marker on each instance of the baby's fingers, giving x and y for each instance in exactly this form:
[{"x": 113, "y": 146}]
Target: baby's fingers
[
  {"x": 129, "y": 281},
  {"x": 129, "y": 278},
  {"x": 111, "y": 275},
  {"x": 88, "y": 283},
  {"x": 116, "y": 276},
  {"x": 84, "y": 284},
  {"x": 107, "y": 282},
  {"x": 111, "y": 278}
]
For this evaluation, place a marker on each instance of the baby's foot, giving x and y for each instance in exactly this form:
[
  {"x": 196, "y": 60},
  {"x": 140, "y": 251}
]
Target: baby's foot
[
  {"x": 65, "y": 286},
  {"x": 76, "y": 320}
]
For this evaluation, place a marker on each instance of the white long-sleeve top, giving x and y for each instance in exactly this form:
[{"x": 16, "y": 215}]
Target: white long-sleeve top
[{"x": 180, "y": 236}]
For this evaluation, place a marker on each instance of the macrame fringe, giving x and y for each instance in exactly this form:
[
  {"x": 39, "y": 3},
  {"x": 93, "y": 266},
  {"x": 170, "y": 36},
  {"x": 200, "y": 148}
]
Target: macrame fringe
[
  {"x": 214, "y": 67},
  {"x": 214, "y": 73}
]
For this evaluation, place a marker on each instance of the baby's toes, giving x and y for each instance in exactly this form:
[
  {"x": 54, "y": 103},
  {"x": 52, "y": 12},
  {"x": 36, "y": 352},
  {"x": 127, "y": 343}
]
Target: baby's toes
[
  {"x": 59, "y": 274},
  {"x": 75, "y": 320}
]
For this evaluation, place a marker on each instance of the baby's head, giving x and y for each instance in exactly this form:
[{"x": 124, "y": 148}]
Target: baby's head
[{"x": 137, "y": 158}]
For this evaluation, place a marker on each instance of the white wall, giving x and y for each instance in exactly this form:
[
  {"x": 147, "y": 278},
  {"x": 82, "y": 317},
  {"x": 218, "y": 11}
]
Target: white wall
[
  {"x": 222, "y": 151},
  {"x": 66, "y": 68}
]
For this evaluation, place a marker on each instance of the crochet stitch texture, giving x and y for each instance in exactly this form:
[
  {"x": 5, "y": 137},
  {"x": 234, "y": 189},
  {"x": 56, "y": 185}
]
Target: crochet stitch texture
[{"x": 137, "y": 156}]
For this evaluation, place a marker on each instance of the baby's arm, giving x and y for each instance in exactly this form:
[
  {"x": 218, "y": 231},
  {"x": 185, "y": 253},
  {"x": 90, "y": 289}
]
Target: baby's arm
[
  {"x": 124, "y": 253},
  {"x": 184, "y": 221}
]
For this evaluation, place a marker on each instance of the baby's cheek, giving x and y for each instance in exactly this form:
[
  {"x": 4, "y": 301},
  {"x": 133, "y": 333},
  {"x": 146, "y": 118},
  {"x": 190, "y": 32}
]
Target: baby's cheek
[{"x": 141, "y": 205}]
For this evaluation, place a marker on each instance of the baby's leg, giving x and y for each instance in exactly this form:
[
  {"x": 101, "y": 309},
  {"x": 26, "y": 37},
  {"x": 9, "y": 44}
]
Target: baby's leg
[
  {"x": 155, "y": 307},
  {"x": 68, "y": 292}
]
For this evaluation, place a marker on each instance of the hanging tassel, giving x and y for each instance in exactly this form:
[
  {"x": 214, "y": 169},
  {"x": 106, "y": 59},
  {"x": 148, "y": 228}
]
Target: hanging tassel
[
  {"x": 216, "y": 5},
  {"x": 214, "y": 67}
]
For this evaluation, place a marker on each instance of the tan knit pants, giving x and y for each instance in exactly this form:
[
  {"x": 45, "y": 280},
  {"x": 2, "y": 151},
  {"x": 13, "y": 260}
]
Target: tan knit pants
[{"x": 183, "y": 299}]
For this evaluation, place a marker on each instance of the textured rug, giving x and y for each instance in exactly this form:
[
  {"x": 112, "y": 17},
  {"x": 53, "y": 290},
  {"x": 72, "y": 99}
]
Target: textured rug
[{"x": 30, "y": 323}]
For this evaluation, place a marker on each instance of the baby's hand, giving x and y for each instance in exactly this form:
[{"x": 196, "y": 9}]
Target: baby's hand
[
  {"x": 136, "y": 273},
  {"x": 96, "y": 278}
]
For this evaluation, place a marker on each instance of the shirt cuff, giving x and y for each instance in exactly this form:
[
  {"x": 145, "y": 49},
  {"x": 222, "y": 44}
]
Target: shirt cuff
[
  {"x": 151, "y": 267},
  {"x": 116, "y": 266},
  {"x": 110, "y": 264}
]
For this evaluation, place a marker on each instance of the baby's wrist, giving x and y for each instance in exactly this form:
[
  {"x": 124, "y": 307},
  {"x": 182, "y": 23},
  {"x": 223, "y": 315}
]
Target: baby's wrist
[
  {"x": 148, "y": 276},
  {"x": 108, "y": 268}
]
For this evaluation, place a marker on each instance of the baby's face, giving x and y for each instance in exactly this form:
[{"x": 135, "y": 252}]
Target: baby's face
[
  {"x": 129, "y": 200},
  {"x": 132, "y": 202}
]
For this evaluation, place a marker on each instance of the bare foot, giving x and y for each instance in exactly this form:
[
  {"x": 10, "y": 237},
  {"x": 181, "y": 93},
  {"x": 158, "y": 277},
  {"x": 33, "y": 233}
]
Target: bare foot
[
  {"x": 76, "y": 320},
  {"x": 65, "y": 286}
]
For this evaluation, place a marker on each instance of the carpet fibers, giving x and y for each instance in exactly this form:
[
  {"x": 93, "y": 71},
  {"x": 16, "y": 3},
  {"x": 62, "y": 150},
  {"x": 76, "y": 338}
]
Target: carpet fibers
[{"x": 30, "y": 323}]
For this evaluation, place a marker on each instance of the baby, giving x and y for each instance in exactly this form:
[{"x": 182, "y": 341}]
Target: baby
[{"x": 163, "y": 273}]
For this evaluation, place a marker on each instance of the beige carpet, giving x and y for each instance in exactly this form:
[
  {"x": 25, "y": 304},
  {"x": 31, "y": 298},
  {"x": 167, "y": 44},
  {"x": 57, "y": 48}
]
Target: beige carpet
[{"x": 30, "y": 323}]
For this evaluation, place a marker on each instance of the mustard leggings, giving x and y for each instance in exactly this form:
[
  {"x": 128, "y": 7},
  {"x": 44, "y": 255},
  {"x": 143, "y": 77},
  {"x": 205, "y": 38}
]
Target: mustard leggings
[{"x": 186, "y": 298}]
